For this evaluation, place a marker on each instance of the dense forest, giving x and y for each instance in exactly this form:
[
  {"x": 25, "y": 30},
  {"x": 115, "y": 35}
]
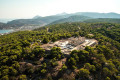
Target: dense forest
[{"x": 22, "y": 58}]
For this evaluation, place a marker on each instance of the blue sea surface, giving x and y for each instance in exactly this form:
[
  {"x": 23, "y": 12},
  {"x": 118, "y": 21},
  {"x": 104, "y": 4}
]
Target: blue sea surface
[{"x": 5, "y": 31}]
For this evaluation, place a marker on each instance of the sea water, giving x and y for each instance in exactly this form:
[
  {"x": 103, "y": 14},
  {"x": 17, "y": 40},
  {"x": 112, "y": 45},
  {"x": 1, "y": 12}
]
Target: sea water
[{"x": 5, "y": 31}]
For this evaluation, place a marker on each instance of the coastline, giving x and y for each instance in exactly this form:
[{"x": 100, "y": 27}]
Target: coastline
[{"x": 6, "y": 31}]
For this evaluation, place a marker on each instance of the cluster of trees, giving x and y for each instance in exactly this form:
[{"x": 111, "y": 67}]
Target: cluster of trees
[
  {"x": 94, "y": 62},
  {"x": 101, "y": 62}
]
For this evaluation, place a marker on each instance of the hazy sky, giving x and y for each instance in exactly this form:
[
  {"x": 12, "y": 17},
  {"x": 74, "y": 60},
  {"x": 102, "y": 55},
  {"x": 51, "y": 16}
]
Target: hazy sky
[{"x": 31, "y": 8}]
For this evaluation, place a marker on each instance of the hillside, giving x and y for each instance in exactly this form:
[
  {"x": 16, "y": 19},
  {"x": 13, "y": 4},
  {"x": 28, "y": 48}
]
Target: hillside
[
  {"x": 107, "y": 20},
  {"x": 75, "y": 18},
  {"x": 23, "y": 56}
]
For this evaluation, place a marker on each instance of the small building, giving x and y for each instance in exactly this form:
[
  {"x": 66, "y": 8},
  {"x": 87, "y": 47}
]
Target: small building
[{"x": 67, "y": 45}]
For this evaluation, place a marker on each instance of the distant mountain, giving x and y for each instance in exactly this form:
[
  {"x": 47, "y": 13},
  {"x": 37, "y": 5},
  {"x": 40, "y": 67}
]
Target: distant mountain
[
  {"x": 37, "y": 17},
  {"x": 1, "y": 25},
  {"x": 61, "y": 18},
  {"x": 107, "y": 20},
  {"x": 99, "y": 15},
  {"x": 5, "y": 20},
  {"x": 89, "y": 17},
  {"x": 35, "y": 21},
  {"x": 75, "y": 18},
  {"x": 64, "y": 13}
]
